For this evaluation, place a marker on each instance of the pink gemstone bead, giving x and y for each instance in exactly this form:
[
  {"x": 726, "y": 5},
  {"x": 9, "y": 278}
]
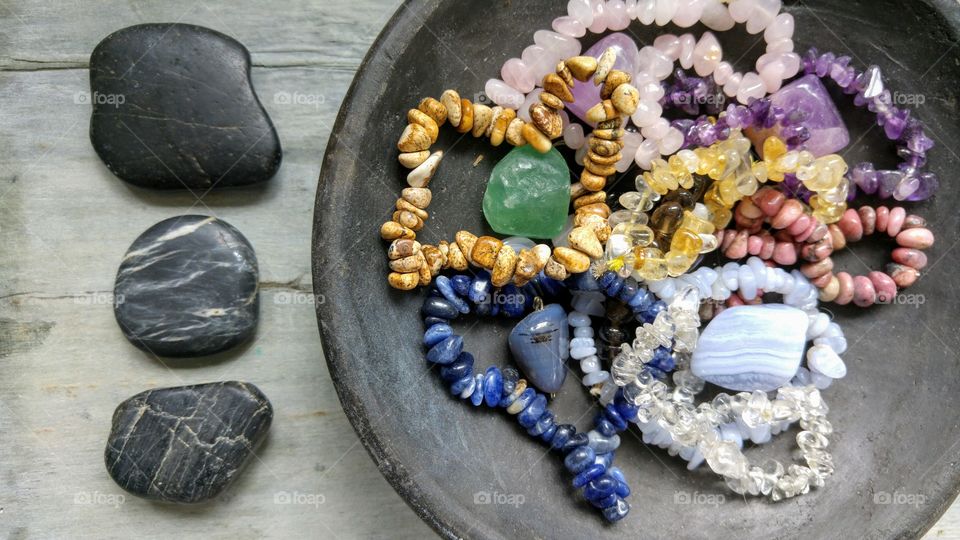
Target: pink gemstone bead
[
  {"x": 518, "y": 75},
  {"x": 752, "y": 86},
  {"x": 573, "y": 136},
  {"x": 569, "y": 26},
  {"x": 920, "y": 238},
  {"x": 723, "y": 72},
  {"x": 739, "y": 247},
  {"x": 716, "y": 16},
  {"x": 895, "y": 221},
  {"x": 763, "y": 15},
  {"x": 503, "y": 94},
  {"x": 687, "y": 44},
  {"x": 864, "y": 293},
  {"x": 913, "y": 258},
  {"x": 666, "y": 9},
  {"x": 788, "y": 214},
  {"x": 780, "y": 45},
  {"x": 781, "y": 28},
  {"x": 646, "y": 11},
  {"x": 617, "y": 18},
  {"x": 733, "y": 85},
  {"x": 706, "y": 55},
  {"x": 769, "y": 244},
  {"x": 671, "y": 142},
  {"x": 851, "y": 226},
  {"x": 669, "y": 45},
  {"x": 868, "y": 216},
  {"x": 884, "y": 285},
  {"x": 903, "y": 276},
  {"x": 646, "y": 153},
  {"x": 688, "y": 12},
  {"x": 800, "y": 225},
  {"x": 754, "y": 245},
  {"x": 599, "y": 16},
  {"x": 559, "y": 45},
  {"x": 883, "y": 216},
  {"x": 582, "y": 10},
  {"x": 524, "y": 111},
  {"x": 740, "y": 10},
  {"x": 846, "y": 289}
]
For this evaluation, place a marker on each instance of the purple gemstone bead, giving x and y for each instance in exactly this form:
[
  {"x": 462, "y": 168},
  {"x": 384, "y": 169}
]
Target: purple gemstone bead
[
  {"x": 906, "y": 188},
  {"x": 865, "y": 177},
  {"x": 926, "y": 188},
  {"x": 888, "y": 182}
]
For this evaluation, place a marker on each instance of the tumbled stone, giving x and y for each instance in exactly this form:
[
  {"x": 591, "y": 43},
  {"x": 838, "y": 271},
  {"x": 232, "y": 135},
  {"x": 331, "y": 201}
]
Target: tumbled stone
[
  {"x": 174, "y": 108},
  {"x": 528, "y": 194},
  {"x": 186, "y": 444},
  {"x": 188, "y": 286}
]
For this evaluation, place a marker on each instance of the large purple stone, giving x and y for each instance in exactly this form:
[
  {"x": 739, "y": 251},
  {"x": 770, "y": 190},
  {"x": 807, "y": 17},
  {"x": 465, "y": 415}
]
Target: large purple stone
[
  {"x": 628, "y": 58},
  {"x": 828, "y": 133}
]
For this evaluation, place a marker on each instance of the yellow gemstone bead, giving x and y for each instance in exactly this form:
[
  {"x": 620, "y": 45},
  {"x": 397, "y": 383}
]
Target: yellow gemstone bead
[
  {"x": 678, "y": 263},
  {"x": 773, "y": 148},
  {"x": 654, "y": 269},
  {"x": 686, "y": 243},
  {"x": 728, "y": 192},
  {"x": 638, "y": 234},
  {"x": 615, "y": 264},
  {"x": 721, "y": 217},
  {"x": 694, "y": 223}
]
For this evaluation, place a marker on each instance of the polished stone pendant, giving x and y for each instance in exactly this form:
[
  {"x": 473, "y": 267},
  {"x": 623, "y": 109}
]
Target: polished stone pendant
[
  {"x": 540, "y": 346},
  {"x": 748, "y": 348}
]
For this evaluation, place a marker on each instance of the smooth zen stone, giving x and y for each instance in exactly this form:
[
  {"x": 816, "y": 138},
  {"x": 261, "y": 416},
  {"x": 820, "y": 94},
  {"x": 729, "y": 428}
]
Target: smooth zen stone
[
  {"x": 528, "y": 194},
  {"x": 828, "y": 133},
  {"x": 539, "y": 344},
  {"x": 747, "y": 348},
  {"x": 188, "y": 286},
  {"x": 174, "y": 108},
  {"x": 586, "y": 94},
  {"x": 186, "y": 444}
]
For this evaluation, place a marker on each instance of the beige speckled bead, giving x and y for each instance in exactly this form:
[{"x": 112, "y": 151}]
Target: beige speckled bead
[
  {"x": 601, "y": 112},
  {"x": 412, "y": 160},
  {"x": 425, "y": 276},
  {"x": 407, "y": 264},
  {"x": 456, "y": 259},
  {"x": 540, "y": 142},
  {"x": 500, "y": 124},
  {"x": 555, "y": 270},
  {"x": 404, "y": 282},
  {"x": 465, "y": 241},
  {"x": 495, "y": 113},
  {"x": 592, "y": 198},
  {"x": 419, "y": 212},
  {"x": 555, "y": 85},
  {"x": 421, "y": 176},
  {"x": 528, "y": 265},
  {"x": 603, "y": 147},
  {"x": 592, "y": 182},
  {"x": 608, "y": 134},
  {"x": 551, "y": 101},
  {"x": 416, "y": 116},
  {"x": 515, "y": 132},
  {"x": 434, "y": 109},
  {"x": 598, "y": 169},
  {"x": 564, "y": 73},
  {"x": 503, "y": 267},
  {"x": 603, "y": 160},
  {"x": 577, "y": 190},
  {"x": 419, "y": 197},
  {"x": 482, "y": 118},
  {"x": 571, "y": 259},
  {"x": 414, "y": 139},
  {"x": 408, "y": 220},
  {"x": 604, "y": 66},
  {"x": 433, "y": 258},
  {"x": 484, "y": 253},
  {"x": 583, "y": 239},
  {"x": 402, "y": 247},
  {"x": 391, "y": 230},
  {"x": 547, "y": 120},
  {"x": 614, "y": 79},
  {"x": 582, "y": 67},
  {"x": 450, "y": 100},
  {"x": 466, "y": 116},
  {"x": 625, "y": 99}
]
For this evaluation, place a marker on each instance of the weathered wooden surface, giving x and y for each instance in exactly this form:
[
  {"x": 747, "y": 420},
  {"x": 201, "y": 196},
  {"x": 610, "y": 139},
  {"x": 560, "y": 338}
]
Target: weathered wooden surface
[{"x": 65, "y": 222}]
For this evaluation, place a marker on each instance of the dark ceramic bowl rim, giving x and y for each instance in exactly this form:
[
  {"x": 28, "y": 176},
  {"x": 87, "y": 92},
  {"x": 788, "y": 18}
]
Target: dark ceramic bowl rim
[{"x": 429, "y": 508}]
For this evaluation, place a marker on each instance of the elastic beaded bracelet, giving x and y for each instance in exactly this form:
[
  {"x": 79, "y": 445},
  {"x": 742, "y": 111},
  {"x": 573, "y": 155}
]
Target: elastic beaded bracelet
[
  {"x": 589, "y": 456},
  {"x": 412, "y": 264},
  {"x": 746, "y": 415},
  {"x": 907, "y": 183},
  {"x": 876, "y": 287}
]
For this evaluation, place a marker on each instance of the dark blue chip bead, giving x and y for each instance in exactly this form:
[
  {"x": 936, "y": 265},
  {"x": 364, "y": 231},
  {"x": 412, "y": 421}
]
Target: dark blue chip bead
[
  {"x": 433, "y": 321},
  {"x": 510, "y": 377},
  {"x": 613, "y": 417},
  {"x": 600, "y": 487},
  {"x": 614, "y": 287},
  {"x": 480, "y": 288},
  {"x": 545, "y": 422},
  {"x": 458, "y": 387},
  {"x": 583, "y": 281},
  {"x": 460, "y": 368},
  {"x": 440, "y": 307},
  {"x": 437, "y": 333},
  {"x": 579, "y": 459},
  {"x": 575, "y": 441},
  {"x": 655, "y": 372},
  {"x": 623, "y": 489},
  {"x": 492, "y": 386},
  {"x": 461, "y": 284},
  {"x": 434, "y": 292},
  {"x": 485, "y": 307},
  {"x": 548, "y": 286},
  {"x": 629, "y": 290},
  {"x": 446, "y": 351},
  {"x": 494, "y": 307},
  {"x": 529, "y": 416},
  {"x": 563, "y": 434},
  {"x": 607, "y": 278},
  {"x": 525, "y": 398},
  {"x": 514, "y": 303},
  {"x": 625, "y": 409},
  {"x": 656, "y": 308},
  {"x": 663, "y": 359},
  {"x": 588, "y": 474},
  {"x": 446, "y": 289},
  {"x": 547, "y": 435},
  {"x": 616, "y": 511},
  {"x": 604, "y": 426},
  {"x": 605, "y": 502},
  {"x": 476, "y": 398}
]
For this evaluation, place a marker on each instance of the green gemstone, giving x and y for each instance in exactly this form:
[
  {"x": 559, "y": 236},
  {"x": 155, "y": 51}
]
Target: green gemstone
[{"x": 528, "y": 194}]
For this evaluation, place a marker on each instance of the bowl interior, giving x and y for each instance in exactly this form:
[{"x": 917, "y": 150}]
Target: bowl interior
[{"x": 474, "y": 472}]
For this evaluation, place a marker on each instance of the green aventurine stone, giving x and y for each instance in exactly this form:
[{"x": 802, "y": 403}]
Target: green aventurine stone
[{"x": 528, "y": 194}]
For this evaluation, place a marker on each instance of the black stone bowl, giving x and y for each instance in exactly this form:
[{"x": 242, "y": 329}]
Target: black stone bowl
[{"x": 473, "y": 472}]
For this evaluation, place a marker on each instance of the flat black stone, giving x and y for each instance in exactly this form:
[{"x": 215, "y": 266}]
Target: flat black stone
[
  {"x": 174, "y": 108},
  {"x": 186, "y": 444},
  {"x": 188, "y": 286}
]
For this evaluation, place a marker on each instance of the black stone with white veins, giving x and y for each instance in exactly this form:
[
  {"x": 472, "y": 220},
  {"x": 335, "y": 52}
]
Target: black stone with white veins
[
  {"x": 186, "y": 444},
  {"x": 174, "y": 108},
  {"x": 187, "y": 287}
]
